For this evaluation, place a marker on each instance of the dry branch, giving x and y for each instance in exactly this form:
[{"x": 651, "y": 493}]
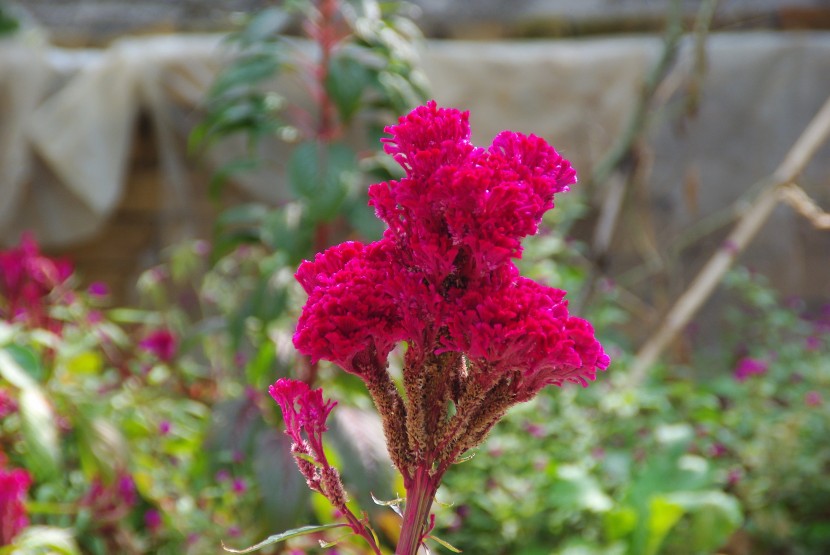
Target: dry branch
[
  {"x": 749, "y": 224},
  {"x": 795, "y": 196}
]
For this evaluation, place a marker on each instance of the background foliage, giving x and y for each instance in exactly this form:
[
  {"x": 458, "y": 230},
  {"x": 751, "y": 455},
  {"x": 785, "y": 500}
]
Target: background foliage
[{"x": 146, "y": 429}]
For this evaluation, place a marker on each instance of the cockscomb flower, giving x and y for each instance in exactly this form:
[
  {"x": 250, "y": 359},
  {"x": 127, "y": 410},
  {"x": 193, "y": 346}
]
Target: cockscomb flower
[
  {"x": 442, "y": 279},
  {"x": 480, "y": 337},
  {"x": 305, "y": 412}
]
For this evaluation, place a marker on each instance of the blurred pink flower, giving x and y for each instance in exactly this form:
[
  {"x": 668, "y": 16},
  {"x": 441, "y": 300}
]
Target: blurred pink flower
[
  {"x": 239, "y": 486},
  {"x": 735, "y": 475},
  {"x": 812, "y": 343},
  {"x": 111, "y": 500},
  {"x": 152, "y": 520},
  {"x": 7, "y": 404},
  {"x": 748, "y": 367},
  {"x": 812, "y": 399},
  {"x": 28, "y": 281},
  {"x": 162, "y": 343},
  {"x": 717, "y": 450},
  {"x": 14, "y": 484},
  {"x": 98, "y": 289}
]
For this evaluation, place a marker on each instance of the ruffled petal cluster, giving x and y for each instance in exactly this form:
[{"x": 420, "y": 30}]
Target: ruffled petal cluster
[
  {"x": 303, "y": 408},
  {"x": 305, "y": 413},
  {"x": 442, "y": 278}
]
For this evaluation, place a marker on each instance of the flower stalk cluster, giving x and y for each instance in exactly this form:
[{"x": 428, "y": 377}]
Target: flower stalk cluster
[{"x": 479, "y": 337}]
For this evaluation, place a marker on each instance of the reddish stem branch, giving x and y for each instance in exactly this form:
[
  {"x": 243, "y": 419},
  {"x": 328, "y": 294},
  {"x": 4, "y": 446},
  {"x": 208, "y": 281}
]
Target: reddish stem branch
[{"x": 419, "y": 497}]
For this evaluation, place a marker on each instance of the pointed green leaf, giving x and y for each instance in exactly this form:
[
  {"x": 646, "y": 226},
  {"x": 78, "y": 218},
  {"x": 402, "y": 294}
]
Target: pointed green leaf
[
  {"x": 322, "y": 175},
  {"x": 28, "y": 360},
  {"x": 40, "y": 433},
  {"x": 663, "y": 515},
  {"x": 446, "y": 544},
  {"x": 296, "y": 532},
  {"x": 46, "y": 539},
  {"x": 393, "y": 502},
  {"x": 714, "y": 515},
  {"x": 14, "y": 373},
  {"x": 346, "y": 80}
]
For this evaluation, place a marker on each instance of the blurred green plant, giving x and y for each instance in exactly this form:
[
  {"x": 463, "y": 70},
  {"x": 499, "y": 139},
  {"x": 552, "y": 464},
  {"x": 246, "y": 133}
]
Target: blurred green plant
[
  {"x": 8, "y": 23},
  {"x": 691, "y": 462},
  {"x": 357, "y": 70},
  {"x": 109, "y": 428}
]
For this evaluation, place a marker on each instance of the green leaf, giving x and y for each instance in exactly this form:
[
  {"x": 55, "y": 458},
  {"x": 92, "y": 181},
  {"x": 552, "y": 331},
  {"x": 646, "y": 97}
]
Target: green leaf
[
  {"x": 305, "y": 530},
  {"x": 46, "y": 539},
  {"x": 223, "y": 174},
  {"x": 40, "y": 434},
  {"x": 362, "y": 217},
  {"x": 445, "y": 544},
  {"x": 132, "y": 316},
  {"x": 245, "y": 72},
  {"x": 663, "y": 515},
  {"x": 346, "y": 80},
  {"x": 288, "y": 230},
  {"x": 322, "y": 174},
  {"x": 12, "y": 371},
  {"x": 28, "y": 361},
  {"x": 620, "y": 522},
  {"x": 714, "y": 515},
  {"x": 283, "y": 489},
  {"x": 102, "y": 448},
  {"x": 400, "y": 92},
  {"x": 87, "y": 362},
  {"x": 262, "y": 26},
  {"x": 245, "y": 214},
  {"x": 259, "y": 370},
  {"x": 578, "y": 490}
]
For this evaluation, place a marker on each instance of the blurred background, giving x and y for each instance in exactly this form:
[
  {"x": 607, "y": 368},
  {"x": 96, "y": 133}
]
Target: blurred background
[{"x": 170, "y": 163}]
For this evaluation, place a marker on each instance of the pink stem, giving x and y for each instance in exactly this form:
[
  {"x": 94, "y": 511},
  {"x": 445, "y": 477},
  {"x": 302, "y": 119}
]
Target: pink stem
[{"x": 419, "y": 497}]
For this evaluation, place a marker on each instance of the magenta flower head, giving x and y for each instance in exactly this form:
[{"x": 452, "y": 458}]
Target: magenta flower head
[
  {"x": 442, "y": 279},
  {"x": 14, "y": 483}
]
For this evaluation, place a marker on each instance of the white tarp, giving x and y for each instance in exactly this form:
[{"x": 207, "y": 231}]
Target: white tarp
[{"x": 74, "y": 112}]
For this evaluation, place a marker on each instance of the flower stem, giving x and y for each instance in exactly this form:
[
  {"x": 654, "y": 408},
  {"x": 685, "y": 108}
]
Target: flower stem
[{"x": 419, "y": 498}]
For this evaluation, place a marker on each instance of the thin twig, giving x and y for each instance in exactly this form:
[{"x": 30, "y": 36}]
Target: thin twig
[
  {"x": 749, "y": 224},
  {"x": 614, "y": 171},
  {"x": 798, "y": 199},
  {"x": 620, "y": 166}
]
